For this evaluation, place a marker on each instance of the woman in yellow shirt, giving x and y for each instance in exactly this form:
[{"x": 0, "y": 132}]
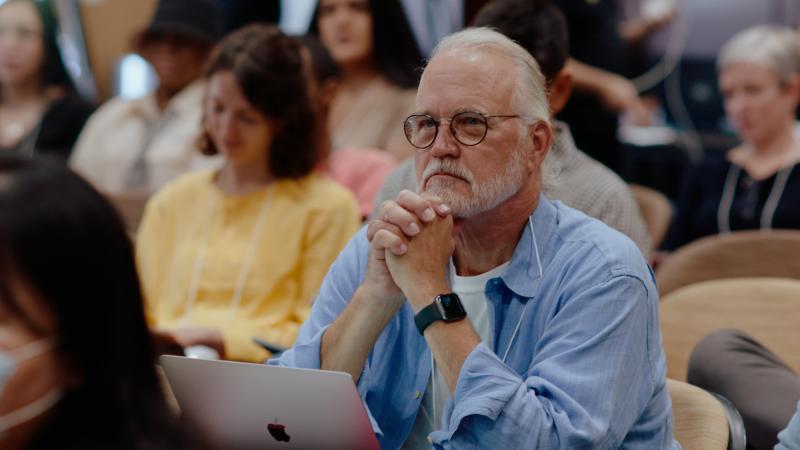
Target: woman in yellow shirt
[{"x": 237, "y": 253}]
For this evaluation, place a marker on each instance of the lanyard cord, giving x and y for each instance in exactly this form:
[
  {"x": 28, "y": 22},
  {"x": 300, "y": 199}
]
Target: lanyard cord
[
  {"x": 241, "y": 279},
  {"x": 770, "y": 206}
]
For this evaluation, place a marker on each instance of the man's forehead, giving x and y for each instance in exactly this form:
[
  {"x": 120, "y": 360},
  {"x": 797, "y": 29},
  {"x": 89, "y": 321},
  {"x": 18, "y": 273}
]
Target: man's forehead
[{"x": 481, "y": 76}]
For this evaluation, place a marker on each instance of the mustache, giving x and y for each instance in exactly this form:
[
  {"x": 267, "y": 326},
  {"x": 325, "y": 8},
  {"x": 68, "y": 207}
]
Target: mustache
[{"x": 446, "y": 166}]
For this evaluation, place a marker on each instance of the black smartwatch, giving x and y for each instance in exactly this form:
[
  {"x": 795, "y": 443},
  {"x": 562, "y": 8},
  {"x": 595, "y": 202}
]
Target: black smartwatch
[{"x": 445, "y": 307}]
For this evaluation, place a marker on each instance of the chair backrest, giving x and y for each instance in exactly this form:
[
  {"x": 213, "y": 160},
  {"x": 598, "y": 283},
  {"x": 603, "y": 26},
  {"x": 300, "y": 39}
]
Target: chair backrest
[
  {"x": 656, "y": 211},
  {"x": 701, "y": 422},
  {"x": 766, "y": 308},
  {"x": 769, "y": 253}
]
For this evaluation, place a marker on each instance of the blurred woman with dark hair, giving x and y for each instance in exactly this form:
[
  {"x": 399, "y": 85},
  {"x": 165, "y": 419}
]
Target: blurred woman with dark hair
[
  {"x": 76, "y": 361},
  {"x": 239, "y": 252},
  {"x": 375, "y": 49},
  {"x": 39, "y": 110}
]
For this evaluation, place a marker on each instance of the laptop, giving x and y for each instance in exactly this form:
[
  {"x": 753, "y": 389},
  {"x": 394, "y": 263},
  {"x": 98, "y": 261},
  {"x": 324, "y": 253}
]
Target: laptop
[{"x": 255, "y": 406}]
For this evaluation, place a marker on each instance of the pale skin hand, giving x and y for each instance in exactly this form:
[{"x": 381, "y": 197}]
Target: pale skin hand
[
  {"x": 346, "y": 344},
  {"x": 420, "y": 272}
]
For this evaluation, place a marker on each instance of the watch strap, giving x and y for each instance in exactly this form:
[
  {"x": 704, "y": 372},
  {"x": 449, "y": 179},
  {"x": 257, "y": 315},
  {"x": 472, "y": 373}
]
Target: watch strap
[
  {"x": 427, "y": 316},
  {"x": 445, "y": 307}
]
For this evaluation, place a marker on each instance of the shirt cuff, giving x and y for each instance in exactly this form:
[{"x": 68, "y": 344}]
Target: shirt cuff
[{"x": 484, "y": 386}]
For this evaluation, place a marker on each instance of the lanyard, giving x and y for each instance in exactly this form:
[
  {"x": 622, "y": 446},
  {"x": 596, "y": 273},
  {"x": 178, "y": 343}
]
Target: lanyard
[
  {"x": 244, "y": 270},
  {"x": 729, "y": 191}
]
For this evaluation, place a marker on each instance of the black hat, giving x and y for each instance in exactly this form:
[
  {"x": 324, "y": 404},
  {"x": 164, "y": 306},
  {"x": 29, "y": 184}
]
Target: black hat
[{"x": 197, "y": 19}]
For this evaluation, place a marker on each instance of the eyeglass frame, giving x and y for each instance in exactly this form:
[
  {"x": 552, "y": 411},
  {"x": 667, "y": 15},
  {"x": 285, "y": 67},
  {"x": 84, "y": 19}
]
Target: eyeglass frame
[{"x": 438, "y": 123}]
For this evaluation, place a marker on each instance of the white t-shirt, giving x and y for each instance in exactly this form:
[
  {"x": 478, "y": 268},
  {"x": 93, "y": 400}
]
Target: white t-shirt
[{"x": 472, "y": 292}]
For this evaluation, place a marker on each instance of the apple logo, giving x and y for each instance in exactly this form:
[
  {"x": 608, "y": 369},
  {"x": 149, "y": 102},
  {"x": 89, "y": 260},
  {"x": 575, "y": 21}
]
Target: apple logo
[{"x": 278, "y": 432}]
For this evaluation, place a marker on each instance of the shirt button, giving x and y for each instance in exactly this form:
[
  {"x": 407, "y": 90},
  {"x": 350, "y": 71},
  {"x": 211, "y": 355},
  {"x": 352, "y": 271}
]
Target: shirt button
[{"x": 417, "y": 394}]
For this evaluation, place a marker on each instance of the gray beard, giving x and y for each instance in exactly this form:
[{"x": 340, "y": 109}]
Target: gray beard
[{"x": 485, "y": 195}]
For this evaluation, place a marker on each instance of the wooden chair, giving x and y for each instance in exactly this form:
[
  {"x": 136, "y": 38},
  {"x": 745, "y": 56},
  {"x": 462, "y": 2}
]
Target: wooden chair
[
  {"x": 774, "y": 253},
  {"x": 656, "y": 212},
  {"x": 702, "y": 421},
  {"x": 766, "y": 308}
]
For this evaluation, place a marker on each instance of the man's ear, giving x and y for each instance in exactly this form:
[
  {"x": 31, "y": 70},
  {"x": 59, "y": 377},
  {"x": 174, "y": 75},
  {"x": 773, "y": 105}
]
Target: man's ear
[
  {"x": 560, "y": 90},
  {"x": 541, "y": 137}
]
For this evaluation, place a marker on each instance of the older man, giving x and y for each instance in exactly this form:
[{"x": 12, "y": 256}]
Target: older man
[
  {"x": 540, "y": 27},
  {"x": 560, "y": 348}
]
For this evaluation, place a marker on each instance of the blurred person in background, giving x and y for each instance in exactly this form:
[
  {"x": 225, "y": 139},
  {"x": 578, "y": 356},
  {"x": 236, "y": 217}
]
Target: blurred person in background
[
  {"x": 230, "y": 254},
  {"x": 77, "y": 369},
  {"x": 599, "y": 64},
  {"x": 40, "y": 113},
  {"x": 137, "y": 146},
  {"x": 582, "y": 182},
  {"x": 377, "y": 54},
  {"x": 756, "y": 184},
  {"x": 361, "y": 170}
]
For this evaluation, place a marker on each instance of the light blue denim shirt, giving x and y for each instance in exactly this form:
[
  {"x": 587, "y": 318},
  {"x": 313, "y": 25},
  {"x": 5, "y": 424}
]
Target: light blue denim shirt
[
  {"x": 586, "y": 369},
  {"x": 789, "y": 438}
]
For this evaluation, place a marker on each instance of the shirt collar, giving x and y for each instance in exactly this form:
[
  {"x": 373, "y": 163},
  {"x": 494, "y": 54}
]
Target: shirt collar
[{"x": 522, "y": 275}]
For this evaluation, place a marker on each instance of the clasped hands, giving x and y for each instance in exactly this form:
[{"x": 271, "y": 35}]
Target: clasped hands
[{"x": 411, "y": 241}]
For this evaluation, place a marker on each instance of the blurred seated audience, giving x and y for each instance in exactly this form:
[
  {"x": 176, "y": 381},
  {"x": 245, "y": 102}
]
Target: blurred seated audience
[
  {"x": 137, "y": 146},
  {"x": 375, "y": 49},
  {"x": 755, "y": 185},
  {"x": 40, "y": 113},
  {"x": 239, "y": 252},
  {"x": 77, "y": 369},
  {"x": 361, "y": 170},
  {"x": 581, "y": 182},
  {"x": 763, "y": 388}
]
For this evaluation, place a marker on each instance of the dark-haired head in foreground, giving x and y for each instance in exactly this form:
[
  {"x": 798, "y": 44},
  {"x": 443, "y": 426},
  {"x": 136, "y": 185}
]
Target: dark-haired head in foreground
[{"x": 70, "y": 301}]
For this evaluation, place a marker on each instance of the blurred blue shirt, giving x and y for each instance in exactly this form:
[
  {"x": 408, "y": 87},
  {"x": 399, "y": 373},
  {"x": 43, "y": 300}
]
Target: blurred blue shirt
[
  {"x": 586, "y": 369},
  {"x": 789, "y": 438}
]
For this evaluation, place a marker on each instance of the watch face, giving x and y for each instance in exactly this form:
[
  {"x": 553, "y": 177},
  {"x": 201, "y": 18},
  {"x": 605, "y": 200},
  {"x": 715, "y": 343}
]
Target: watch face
[{"x": 451, "y": 307}]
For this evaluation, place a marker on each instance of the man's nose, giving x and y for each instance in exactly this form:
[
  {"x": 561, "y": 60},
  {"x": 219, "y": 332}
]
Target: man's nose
[{"x": 445, "y": 143}]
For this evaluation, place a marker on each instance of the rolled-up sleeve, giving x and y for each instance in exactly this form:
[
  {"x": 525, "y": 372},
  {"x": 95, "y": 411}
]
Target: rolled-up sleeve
[{"x": 591, "y": 378}]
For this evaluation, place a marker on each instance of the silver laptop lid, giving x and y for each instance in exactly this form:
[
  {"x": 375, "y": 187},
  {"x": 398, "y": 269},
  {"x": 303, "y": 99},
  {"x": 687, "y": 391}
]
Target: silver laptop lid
[{"x": 255, "y": 406}]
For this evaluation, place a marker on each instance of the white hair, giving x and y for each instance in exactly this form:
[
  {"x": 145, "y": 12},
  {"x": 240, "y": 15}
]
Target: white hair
[
  {"x": 530, "y": 99},
  {"x": 530, "y": 92},
  {"x": 775, "y": 47}
]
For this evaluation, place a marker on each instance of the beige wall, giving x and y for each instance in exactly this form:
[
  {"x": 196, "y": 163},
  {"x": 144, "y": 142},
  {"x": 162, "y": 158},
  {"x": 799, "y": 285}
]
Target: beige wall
[{"x": 109, "y": 27}]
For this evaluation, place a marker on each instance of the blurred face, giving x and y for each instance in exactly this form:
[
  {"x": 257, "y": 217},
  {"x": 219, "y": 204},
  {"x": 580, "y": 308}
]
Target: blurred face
[
  {"x": 21, "y": 44},
  {"x": 241, "y": 133},
  {"x": 36, "y": 375},
  {"x": 756, "y": 101},
  {"x": 473, "y": 179},
  {"x": 177, "y": 60},
  {"x": 345, "y": 28}
]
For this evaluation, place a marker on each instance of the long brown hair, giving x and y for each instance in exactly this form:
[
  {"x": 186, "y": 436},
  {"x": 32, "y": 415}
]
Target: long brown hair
[{"x": 268, "y": 66}]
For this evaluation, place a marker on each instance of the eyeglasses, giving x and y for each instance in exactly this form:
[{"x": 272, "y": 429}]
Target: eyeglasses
[{"x": 469, "y": 128}]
